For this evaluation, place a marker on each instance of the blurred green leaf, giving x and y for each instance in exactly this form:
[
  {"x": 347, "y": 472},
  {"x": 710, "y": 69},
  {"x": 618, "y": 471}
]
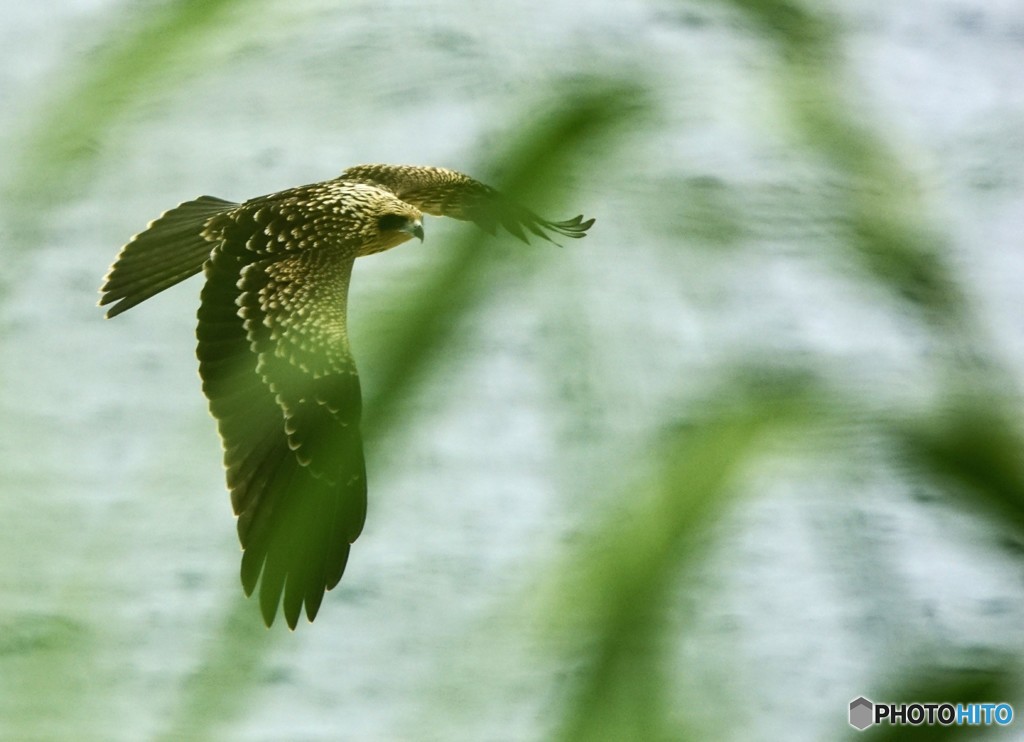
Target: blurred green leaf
[
  {"x": 975, "y": 452},
  {"x": 164, "y": 49},
  {"x": 223, "y": 684},
  {"x": 888, "y": 235},
  {"x": 800, "y": 34},
  {"x": 614, "y": 591}
]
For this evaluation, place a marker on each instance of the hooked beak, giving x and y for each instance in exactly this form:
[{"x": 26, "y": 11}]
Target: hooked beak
[{"x": 416, "y": 229}]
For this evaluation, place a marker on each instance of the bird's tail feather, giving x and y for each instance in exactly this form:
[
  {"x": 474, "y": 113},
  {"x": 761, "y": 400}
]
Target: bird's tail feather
[{"x": 171, "y": 249}]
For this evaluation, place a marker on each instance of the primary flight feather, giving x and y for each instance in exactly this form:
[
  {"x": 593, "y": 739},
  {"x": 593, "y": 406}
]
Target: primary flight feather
[{"x": 274, "y": 354}]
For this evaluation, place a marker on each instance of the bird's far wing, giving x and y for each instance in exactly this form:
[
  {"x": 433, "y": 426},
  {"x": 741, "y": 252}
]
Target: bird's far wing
[
  {"x": 276, "y": 368},
  {"x": 171, "y": 249},
  {"x": 442, "y": 192}
]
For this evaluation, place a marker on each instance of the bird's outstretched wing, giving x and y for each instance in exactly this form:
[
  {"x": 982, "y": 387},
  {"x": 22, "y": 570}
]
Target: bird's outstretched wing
[
  {"x": 442, "y": 192},
  {"x": 171, "y": 249},
  {"x": 276, "y": 368}
]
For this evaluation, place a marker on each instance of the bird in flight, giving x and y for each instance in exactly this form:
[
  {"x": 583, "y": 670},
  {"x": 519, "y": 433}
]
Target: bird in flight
[{"x": 274, "y": 354}]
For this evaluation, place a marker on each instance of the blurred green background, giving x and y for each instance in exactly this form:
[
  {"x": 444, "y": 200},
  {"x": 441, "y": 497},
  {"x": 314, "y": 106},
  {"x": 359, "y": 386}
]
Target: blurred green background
[{"x": 750, "y": 450}]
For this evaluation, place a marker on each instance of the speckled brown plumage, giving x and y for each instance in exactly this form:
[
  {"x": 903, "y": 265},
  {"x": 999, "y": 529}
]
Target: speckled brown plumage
[{"x": 274, "y": 353}]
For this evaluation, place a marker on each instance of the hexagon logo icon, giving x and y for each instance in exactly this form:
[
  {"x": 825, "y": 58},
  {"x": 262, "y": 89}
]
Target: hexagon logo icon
[{"x": 862, "y": 713}]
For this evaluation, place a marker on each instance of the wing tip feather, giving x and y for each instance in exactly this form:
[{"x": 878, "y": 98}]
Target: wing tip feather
[{"x": 574, "y": 228}]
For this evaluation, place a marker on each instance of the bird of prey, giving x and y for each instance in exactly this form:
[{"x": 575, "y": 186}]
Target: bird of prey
[{"x": 274, "y": 352}]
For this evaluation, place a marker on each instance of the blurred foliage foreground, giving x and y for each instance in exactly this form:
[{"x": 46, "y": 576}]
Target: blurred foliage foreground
[{"x": 617, "y": 584}]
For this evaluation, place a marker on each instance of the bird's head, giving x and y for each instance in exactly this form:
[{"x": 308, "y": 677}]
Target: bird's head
[
  {"x": 407, "y": 225},
  {"x": 387, "y": 221}
]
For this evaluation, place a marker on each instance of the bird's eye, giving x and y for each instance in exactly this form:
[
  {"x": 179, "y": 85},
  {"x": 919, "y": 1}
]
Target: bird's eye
[{"x": 391, "y": 222}]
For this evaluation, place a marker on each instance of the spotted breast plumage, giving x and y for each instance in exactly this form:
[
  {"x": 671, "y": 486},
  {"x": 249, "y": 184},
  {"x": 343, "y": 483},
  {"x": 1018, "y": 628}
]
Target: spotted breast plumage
[{"x": 274, "y": 354}]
